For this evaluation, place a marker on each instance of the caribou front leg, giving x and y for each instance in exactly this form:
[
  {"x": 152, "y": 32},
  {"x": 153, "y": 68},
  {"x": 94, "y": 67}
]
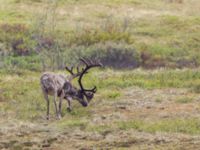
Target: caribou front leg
[
  {"x": 69, "y": 108},
  {"x": 60, "y": 106},
  {"x": 54, "y": 100}
]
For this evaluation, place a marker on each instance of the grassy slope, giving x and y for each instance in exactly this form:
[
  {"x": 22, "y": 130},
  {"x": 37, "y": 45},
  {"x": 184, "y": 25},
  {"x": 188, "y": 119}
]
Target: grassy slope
[
  {"x": 154, "y": 103},
  {"x": 168, "y": 31}
]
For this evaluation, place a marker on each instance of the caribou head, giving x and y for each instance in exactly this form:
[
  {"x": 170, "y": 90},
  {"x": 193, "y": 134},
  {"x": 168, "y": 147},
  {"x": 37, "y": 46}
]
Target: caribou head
[{"x": 83, "y": 95}]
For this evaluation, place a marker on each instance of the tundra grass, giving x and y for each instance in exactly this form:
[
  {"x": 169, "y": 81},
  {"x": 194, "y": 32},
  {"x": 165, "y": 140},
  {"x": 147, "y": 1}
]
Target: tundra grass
[
  {"x": 175, "y": 125},
  {"x": 184, "y": 99},
  {"x": 188, "y": 126},
  {"x": 21, "y": 94}
]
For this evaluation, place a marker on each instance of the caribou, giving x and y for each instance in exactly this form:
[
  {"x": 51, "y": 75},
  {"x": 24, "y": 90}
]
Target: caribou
[{"x": 58, "y": 85}]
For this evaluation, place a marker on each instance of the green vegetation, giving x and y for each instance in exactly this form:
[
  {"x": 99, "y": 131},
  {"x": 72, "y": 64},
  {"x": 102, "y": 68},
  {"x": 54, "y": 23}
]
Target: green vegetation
[
  {"x": 111, "y": 94},
  {"x": 21, "y": 90},
  {"x": 189, "y": 126},
  {"x": 100, "y": 128},
  {"x": 184, "y": 99},
  {"x": 53, "y": 33},
  {"x": 72, "y": 123},
  {"x": 152, "y": 79},
  {"x": 196, "y": 88},
  {"x": 158, "y": 100}
]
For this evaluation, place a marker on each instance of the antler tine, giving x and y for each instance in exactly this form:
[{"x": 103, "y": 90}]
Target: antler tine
[
  {"x": 90, "y": 62},
  {"x": 99, "y": 62},
  {"x": 73, "y": 74},
  {"x": 77, "y": 69},
  {"x": 84, "y": 61},
  {"x": 70, "y": 70},
  {"x": 80, "y": 72},
  {"x": 94, "y": 89}
]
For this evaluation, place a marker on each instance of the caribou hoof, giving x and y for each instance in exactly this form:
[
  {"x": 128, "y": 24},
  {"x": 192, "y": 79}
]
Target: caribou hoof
[
  {"x": 59, "y": 117},
  {"x": 47, "y": 117},
  {"x": 69, "y": 109}
]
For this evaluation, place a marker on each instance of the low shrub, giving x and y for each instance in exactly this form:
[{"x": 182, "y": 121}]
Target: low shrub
[
  {"x": 17, "y": 39},
  {"x": 115, "y": 55},
  {"x": 111, "y": 54}
]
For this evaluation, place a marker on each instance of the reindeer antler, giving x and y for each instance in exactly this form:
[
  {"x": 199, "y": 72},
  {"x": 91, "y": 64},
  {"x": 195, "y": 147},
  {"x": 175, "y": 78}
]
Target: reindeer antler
[
  {"x": 71, "y": 71},
  {"x": 89, "y": 64}
]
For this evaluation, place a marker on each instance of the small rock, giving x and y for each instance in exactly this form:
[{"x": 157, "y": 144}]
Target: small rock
[
  {"x": 163, "y": 115},
  {"x": 103, "y": 117},
  {"x": 122, "y": 107},
  {"x": 46, "y": 145},
  {"x": 29, "y": 144},
  {"x": 20, "y": 134},
  {"x": 157, "y": 141},
  {"x": 148, "y": 107},
  {"x": 51, "y": 140}
]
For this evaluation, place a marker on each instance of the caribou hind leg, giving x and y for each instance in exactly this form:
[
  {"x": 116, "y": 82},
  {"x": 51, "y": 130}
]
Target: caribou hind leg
[{"x": 47, "y": 100}]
